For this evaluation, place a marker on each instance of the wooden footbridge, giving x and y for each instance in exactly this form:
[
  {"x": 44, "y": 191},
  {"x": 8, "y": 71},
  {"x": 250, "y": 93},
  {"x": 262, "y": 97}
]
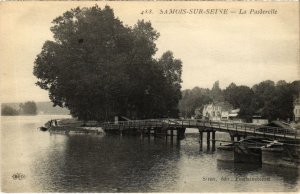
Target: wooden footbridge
[{"x": 176, "y": 127}]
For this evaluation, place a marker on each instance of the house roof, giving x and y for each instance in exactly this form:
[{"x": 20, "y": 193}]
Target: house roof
[
  {"x": 235, "y": 110},
  {"x": 233, "y": 115}
]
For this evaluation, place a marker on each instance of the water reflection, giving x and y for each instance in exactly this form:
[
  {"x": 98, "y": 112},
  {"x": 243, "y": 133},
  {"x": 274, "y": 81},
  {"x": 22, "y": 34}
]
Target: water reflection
[
  {"x": 238, "y": 168},
  {"x": 287, "y": 176},
  {"x": 88, "y": 161}
]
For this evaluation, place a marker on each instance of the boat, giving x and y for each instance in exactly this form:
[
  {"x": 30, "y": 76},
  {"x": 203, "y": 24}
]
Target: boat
[
  {"x": 244, "y": 151},
  {"x": 43, "y": 128},
  {"x": 226, "y": 152},
  {"x": 46, "y": 126},
  {"x": 281, "y": 154}
]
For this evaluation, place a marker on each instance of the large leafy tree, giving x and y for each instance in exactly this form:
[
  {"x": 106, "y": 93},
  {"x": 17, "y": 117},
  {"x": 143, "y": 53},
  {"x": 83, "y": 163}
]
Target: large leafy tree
[
  {"x": 240, "y": 97},
  {"x": 172, "y": 70},
  {"x": 276, "y": 100},
  {"x": 99, "y": 68}
]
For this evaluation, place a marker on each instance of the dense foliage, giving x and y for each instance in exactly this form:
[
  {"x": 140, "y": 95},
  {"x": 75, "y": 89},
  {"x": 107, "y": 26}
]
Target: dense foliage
[
  {"x": 28, "y": 108},
  {"x": 267, "y": 99},
  {"x": 98, "y": 68},
  {"x": 8, "y": 111}
]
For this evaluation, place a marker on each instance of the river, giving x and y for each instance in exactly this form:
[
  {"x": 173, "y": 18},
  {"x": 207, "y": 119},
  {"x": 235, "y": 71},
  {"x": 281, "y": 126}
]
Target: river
[{"x": 103, "y": 163}]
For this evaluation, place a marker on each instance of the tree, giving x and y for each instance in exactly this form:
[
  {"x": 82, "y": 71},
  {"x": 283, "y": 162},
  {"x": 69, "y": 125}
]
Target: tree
[
  {"x": 8, "y": 111},
  {"x": 28, "y": 108},
  {"x": 99, "y": 68},
  {"x": 275, "y": 101},
  {"x": 172, "y": 71},
  {"x": 216, "y": 93},
  {"x": 283, "y": 99},
  {"x": 262, "y": 99},
  {"x": 230, "y": 95},
  {"x": 192, "y": 100},
  {"x": 240, "y": 97}
]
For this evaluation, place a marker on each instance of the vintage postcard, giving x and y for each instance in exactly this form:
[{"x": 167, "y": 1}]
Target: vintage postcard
[{"x": 150, "y": 96}]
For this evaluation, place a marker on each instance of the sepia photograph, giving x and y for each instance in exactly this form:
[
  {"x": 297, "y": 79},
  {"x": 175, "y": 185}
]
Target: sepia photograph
[{"x": 150, "y": 96}]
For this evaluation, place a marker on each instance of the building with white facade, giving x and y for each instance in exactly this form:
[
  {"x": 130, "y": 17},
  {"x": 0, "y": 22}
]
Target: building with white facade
[
  {"x": 297, "y": 109},
  {"x": 258, "y": 120},
  {"x": 217, "y": 111}
]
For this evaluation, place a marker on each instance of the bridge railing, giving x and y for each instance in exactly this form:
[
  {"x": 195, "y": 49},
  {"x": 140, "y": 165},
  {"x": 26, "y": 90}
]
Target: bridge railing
[
  {"x": 245, "y": 127},
  {"x": 133, "y": 123},
  {"x": 197, "y": 123},
  {"x": 253, "y": 128}
]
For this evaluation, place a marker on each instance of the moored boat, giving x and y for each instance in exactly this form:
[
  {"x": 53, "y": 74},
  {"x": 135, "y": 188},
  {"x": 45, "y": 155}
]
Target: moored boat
[
  {"x": 244, "y": 151},
  {"x": 281, "y": 154},
  {"x": 43, "y": 128},
  {"x": 226, "y": 152}
]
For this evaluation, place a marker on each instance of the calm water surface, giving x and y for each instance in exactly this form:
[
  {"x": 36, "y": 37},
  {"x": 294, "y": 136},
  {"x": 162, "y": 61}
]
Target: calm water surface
[{"x": 101, "y": 163}]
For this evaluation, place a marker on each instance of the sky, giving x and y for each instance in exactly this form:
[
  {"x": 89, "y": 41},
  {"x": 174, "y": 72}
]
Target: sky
[{"x": 244, "y": 49}]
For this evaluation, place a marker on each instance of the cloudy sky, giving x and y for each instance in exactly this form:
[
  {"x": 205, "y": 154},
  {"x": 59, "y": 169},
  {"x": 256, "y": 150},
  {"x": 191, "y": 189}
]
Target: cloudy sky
[{"x": 244, "y": 49}]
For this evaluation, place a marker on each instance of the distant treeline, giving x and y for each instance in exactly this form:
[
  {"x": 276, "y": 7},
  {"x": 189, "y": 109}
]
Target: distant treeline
[
  {"x": 267, "y": 99},
  {"x": 10, "y": 109},
  {"x": 27, "y": 108}
]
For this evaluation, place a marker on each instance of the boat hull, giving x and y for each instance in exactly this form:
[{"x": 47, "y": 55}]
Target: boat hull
[
  {"x": 226, "y": 153},
  {"x": 279, "y": 157}
]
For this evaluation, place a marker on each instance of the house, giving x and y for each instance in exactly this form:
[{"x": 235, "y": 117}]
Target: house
[
  {"x": 297, "y": 109},
  {"x": 259, "y": 120},
  {"x": 198, "y": 113},
  {"x": 233, "y": 116},
  {"x": 217, "y": 111}
]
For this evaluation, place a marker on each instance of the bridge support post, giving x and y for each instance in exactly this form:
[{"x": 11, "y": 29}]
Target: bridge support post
[
  {"x": 167, "y": 130},
  {"x": 208, "y": 140},
  {"x": 149, "y": 132},
  {"x": 172, "y": 134},
  {"x": 213, "y": 141},
  {"x": 238, "y": 137},
  {"x": 201, "y": 140},
  {"x": 232, "y": 137},
  {"x": 142, "y": 133},
  {"x": 154, "y": 133}
]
